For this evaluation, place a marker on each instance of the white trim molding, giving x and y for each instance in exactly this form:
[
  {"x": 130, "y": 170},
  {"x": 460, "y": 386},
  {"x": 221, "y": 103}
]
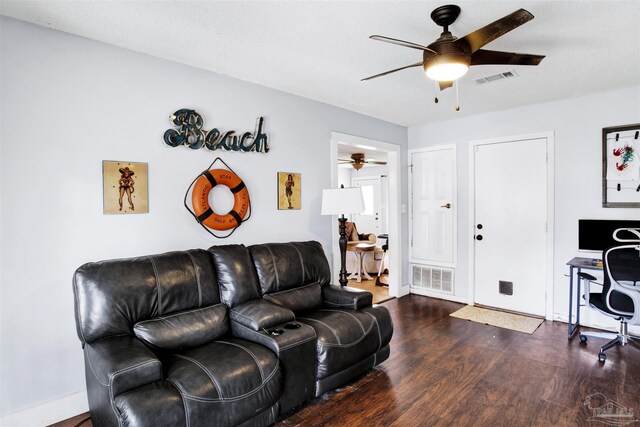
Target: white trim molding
[{"x": 396, "y": 287}]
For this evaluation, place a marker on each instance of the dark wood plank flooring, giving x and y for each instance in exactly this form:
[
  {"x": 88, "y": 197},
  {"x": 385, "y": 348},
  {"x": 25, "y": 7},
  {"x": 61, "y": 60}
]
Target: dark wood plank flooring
[{"x": 445, "y": 371}]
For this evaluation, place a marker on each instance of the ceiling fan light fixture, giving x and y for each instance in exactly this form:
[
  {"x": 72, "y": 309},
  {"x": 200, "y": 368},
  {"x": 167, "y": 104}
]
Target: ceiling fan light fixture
[{"x": 446, "y": 71}]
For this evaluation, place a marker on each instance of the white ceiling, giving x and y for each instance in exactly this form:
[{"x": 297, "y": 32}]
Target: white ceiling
[{"x": 320, "y": 49}]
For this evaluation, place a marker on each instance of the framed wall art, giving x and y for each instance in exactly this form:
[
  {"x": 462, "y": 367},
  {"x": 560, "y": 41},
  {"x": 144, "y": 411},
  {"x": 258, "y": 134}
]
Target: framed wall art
[
  {"x": 289, "y": 190},
  {"x": 621, "y": 166},
  {"x": 125, "y": 187}
]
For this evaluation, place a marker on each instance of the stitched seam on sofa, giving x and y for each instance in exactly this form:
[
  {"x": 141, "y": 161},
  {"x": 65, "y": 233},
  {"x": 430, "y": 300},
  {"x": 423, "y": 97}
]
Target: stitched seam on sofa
[
  {"x": 92, "y": 370},
  {"x": 350, "y": 344},
  {"x": 255, "y": 359},
  {"x": 244, "y": 315},
  {"x": 327, "y": 326},
  {"x": 195, "y": 273},
  {"x": 379, "y": 332},
  {"x": 114, "y": 375},
  {"x": 286, "y": 347},
  {"x": 178, "y": 314},
  {"x": 304, "y": 270},
  {"x": 158, "y": 290},
  {"x": 275, "y": 269},
  {"x": 75, "y": 296},
  {"x": 348, "y": 314},
  {"x": 345, "y": 305},
  {"x": 109, "y": 337},
  {"x": 206, "y": 371},
  {"x": 291, "y": 290},
  {"x": 184, "y": 401},
  {"x": 233, "y": 399}
]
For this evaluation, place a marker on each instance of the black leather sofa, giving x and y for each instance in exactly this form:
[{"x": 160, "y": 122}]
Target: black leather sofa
[{"x": 230, "y": 336}]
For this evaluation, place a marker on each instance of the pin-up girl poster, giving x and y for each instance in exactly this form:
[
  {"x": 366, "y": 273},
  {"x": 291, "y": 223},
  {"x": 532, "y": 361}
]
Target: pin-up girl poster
[
  {"x": 289, "y": 190},
  {"x": 125, "y": 187}
]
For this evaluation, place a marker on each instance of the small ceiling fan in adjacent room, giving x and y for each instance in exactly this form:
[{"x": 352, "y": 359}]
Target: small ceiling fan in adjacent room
[
  {"x": 448, "y": 58},
  {"x": 358, "y": 160}
]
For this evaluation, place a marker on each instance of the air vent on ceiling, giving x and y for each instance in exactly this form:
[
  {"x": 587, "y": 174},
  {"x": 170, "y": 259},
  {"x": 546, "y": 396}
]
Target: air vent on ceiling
[{"x": 496, "y": 77}]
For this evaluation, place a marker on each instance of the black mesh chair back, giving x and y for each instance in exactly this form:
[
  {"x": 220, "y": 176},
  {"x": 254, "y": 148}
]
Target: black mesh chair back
[{"x": 622, "y": 264}]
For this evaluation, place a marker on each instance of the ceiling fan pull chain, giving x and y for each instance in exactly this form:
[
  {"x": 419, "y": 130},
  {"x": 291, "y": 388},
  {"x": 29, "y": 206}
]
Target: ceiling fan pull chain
[
  {"x": 457, "y": 96},
  {"x": 437, "y": 89}
]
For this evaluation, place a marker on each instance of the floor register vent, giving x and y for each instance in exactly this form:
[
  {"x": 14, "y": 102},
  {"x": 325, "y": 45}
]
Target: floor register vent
[{"x": 432, "y": 278}]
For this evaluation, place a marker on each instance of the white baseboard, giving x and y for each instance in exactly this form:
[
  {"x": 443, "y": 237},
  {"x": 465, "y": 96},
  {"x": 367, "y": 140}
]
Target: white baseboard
[
  {"x": 48, "y": 413},
  {"x": 439, "y": 295}
]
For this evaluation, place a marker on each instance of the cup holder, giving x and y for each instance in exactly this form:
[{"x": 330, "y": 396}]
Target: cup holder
[{"x": 276, "y": 332}]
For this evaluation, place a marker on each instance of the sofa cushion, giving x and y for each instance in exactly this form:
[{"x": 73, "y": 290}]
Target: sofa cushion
[
  {"x": 235, "y": 273},
  {"x": 345, "y": 337},
  {"x": 225, "y": 382},
  {"x": 184, "y": 330},
  {"x": 298, "y": 299},
  {"x": 282, "y": 266}
]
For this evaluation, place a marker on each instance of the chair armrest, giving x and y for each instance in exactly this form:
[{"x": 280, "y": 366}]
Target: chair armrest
[
  {"x": 588, "y": 278},
  {"x": 346, "y": 297},
  {"x": 260, "y": 314},
  {"x": 367, "y": 237},
  {"x": 122, "y": 363}
]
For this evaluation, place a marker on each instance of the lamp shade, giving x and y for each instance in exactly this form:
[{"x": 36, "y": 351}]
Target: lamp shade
[{"x": 337, "y": 201}]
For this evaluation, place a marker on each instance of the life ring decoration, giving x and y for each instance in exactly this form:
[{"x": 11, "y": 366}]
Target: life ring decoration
[{"x": 203, "y": 211}]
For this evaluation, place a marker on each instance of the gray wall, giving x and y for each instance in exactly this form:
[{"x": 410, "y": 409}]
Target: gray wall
[
  {"x": 67, "y": 104},
  {"x": 577, "y": 125}
]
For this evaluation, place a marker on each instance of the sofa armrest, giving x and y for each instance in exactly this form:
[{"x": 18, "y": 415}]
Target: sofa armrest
[
  {"x": 260, "y": 314},
  {"x": 122, "y": 363},
  {"x": 346, "y": 297}
]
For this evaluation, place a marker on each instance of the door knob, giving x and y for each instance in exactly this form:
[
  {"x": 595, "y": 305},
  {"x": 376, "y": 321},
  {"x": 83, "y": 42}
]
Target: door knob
[{"x": 448, "y": 206}]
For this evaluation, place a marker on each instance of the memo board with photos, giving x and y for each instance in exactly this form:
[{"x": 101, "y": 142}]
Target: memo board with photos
[{"x": 621, "y": 166}]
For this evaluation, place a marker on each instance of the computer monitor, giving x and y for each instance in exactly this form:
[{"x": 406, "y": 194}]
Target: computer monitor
[{"x": 596, "y": 235}]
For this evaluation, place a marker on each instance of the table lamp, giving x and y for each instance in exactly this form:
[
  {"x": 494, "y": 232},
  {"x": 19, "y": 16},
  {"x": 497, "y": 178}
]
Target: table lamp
[{"x": 341, "y": 201}]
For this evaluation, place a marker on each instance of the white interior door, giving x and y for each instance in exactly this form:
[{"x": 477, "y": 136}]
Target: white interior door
[
  {"x": 369, "y": 220},
  {"x": 432, "y": 205},
  {"x": 510, "y": 244}
]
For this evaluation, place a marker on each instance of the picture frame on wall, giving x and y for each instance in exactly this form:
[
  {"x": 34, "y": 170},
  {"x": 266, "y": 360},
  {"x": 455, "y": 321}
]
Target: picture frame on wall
[
  {"x": 289, "y": 191},
  {"x": 621, "y": 166},
  {"x": 125, "y": 187}
]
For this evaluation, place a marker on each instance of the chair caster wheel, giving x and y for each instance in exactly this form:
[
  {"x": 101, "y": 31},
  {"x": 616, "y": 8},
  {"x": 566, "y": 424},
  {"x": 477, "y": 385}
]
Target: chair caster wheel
[
  {"x": 602, "y": 357},
  {"x": 583, "y": 338}
]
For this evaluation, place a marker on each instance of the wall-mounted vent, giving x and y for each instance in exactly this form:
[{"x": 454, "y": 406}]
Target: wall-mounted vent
[
  {"x": 494, "y": 78},
  {"x": 432, "y": 278}
]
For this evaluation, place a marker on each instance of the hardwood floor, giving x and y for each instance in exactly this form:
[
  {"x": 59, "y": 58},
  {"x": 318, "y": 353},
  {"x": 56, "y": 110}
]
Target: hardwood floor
[
  {"x": 445, "y": 371},
  {"x": 380, "y": 293}
]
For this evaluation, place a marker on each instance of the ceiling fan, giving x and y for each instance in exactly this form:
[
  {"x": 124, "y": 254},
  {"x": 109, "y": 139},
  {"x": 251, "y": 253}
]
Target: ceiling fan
[
  {"x": 448, "y": 58},
  {"x": 358, "y": 160}
]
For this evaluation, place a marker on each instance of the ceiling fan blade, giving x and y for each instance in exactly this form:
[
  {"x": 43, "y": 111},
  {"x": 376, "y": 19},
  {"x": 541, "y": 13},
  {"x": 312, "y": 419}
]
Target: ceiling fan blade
[
  {"x": 489, "y": 33},
  {"x": 417, "y": 64},
  {"x": 376, "y": 162},
  {"x": 445, "y": 85},
  {"x": 402, "y": 43},
  {"x": 344, "y": 161},
  {"x": 485, "y": 57}
]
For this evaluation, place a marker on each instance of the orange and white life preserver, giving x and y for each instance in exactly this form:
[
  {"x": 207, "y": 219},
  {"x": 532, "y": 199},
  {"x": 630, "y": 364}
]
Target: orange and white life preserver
[{"x": 200, "y": 199}]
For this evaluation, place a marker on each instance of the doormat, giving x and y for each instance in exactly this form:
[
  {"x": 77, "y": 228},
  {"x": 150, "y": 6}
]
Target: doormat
[{"x": 515, "y": 322}]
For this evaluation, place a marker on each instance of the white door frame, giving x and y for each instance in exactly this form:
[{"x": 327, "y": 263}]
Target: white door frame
[
  {"x": 454, "y": 203},
  {"x": 395, "y": 190},
  {"x": 550, "y": 211}
]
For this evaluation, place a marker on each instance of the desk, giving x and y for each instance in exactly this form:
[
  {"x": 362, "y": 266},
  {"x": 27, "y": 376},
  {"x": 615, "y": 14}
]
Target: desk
[{"x": 577, "y": 264}]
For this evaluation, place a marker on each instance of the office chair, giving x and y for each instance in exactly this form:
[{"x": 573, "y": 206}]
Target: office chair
[{"x": 620, "y": 296}]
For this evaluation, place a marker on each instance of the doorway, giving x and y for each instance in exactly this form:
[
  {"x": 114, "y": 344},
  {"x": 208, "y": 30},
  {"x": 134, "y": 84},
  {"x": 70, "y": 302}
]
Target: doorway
[
  {"x": 372, "y": 219},
  {"x": 391, "y": 208},
  {"x": 511, "y": 223}
]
